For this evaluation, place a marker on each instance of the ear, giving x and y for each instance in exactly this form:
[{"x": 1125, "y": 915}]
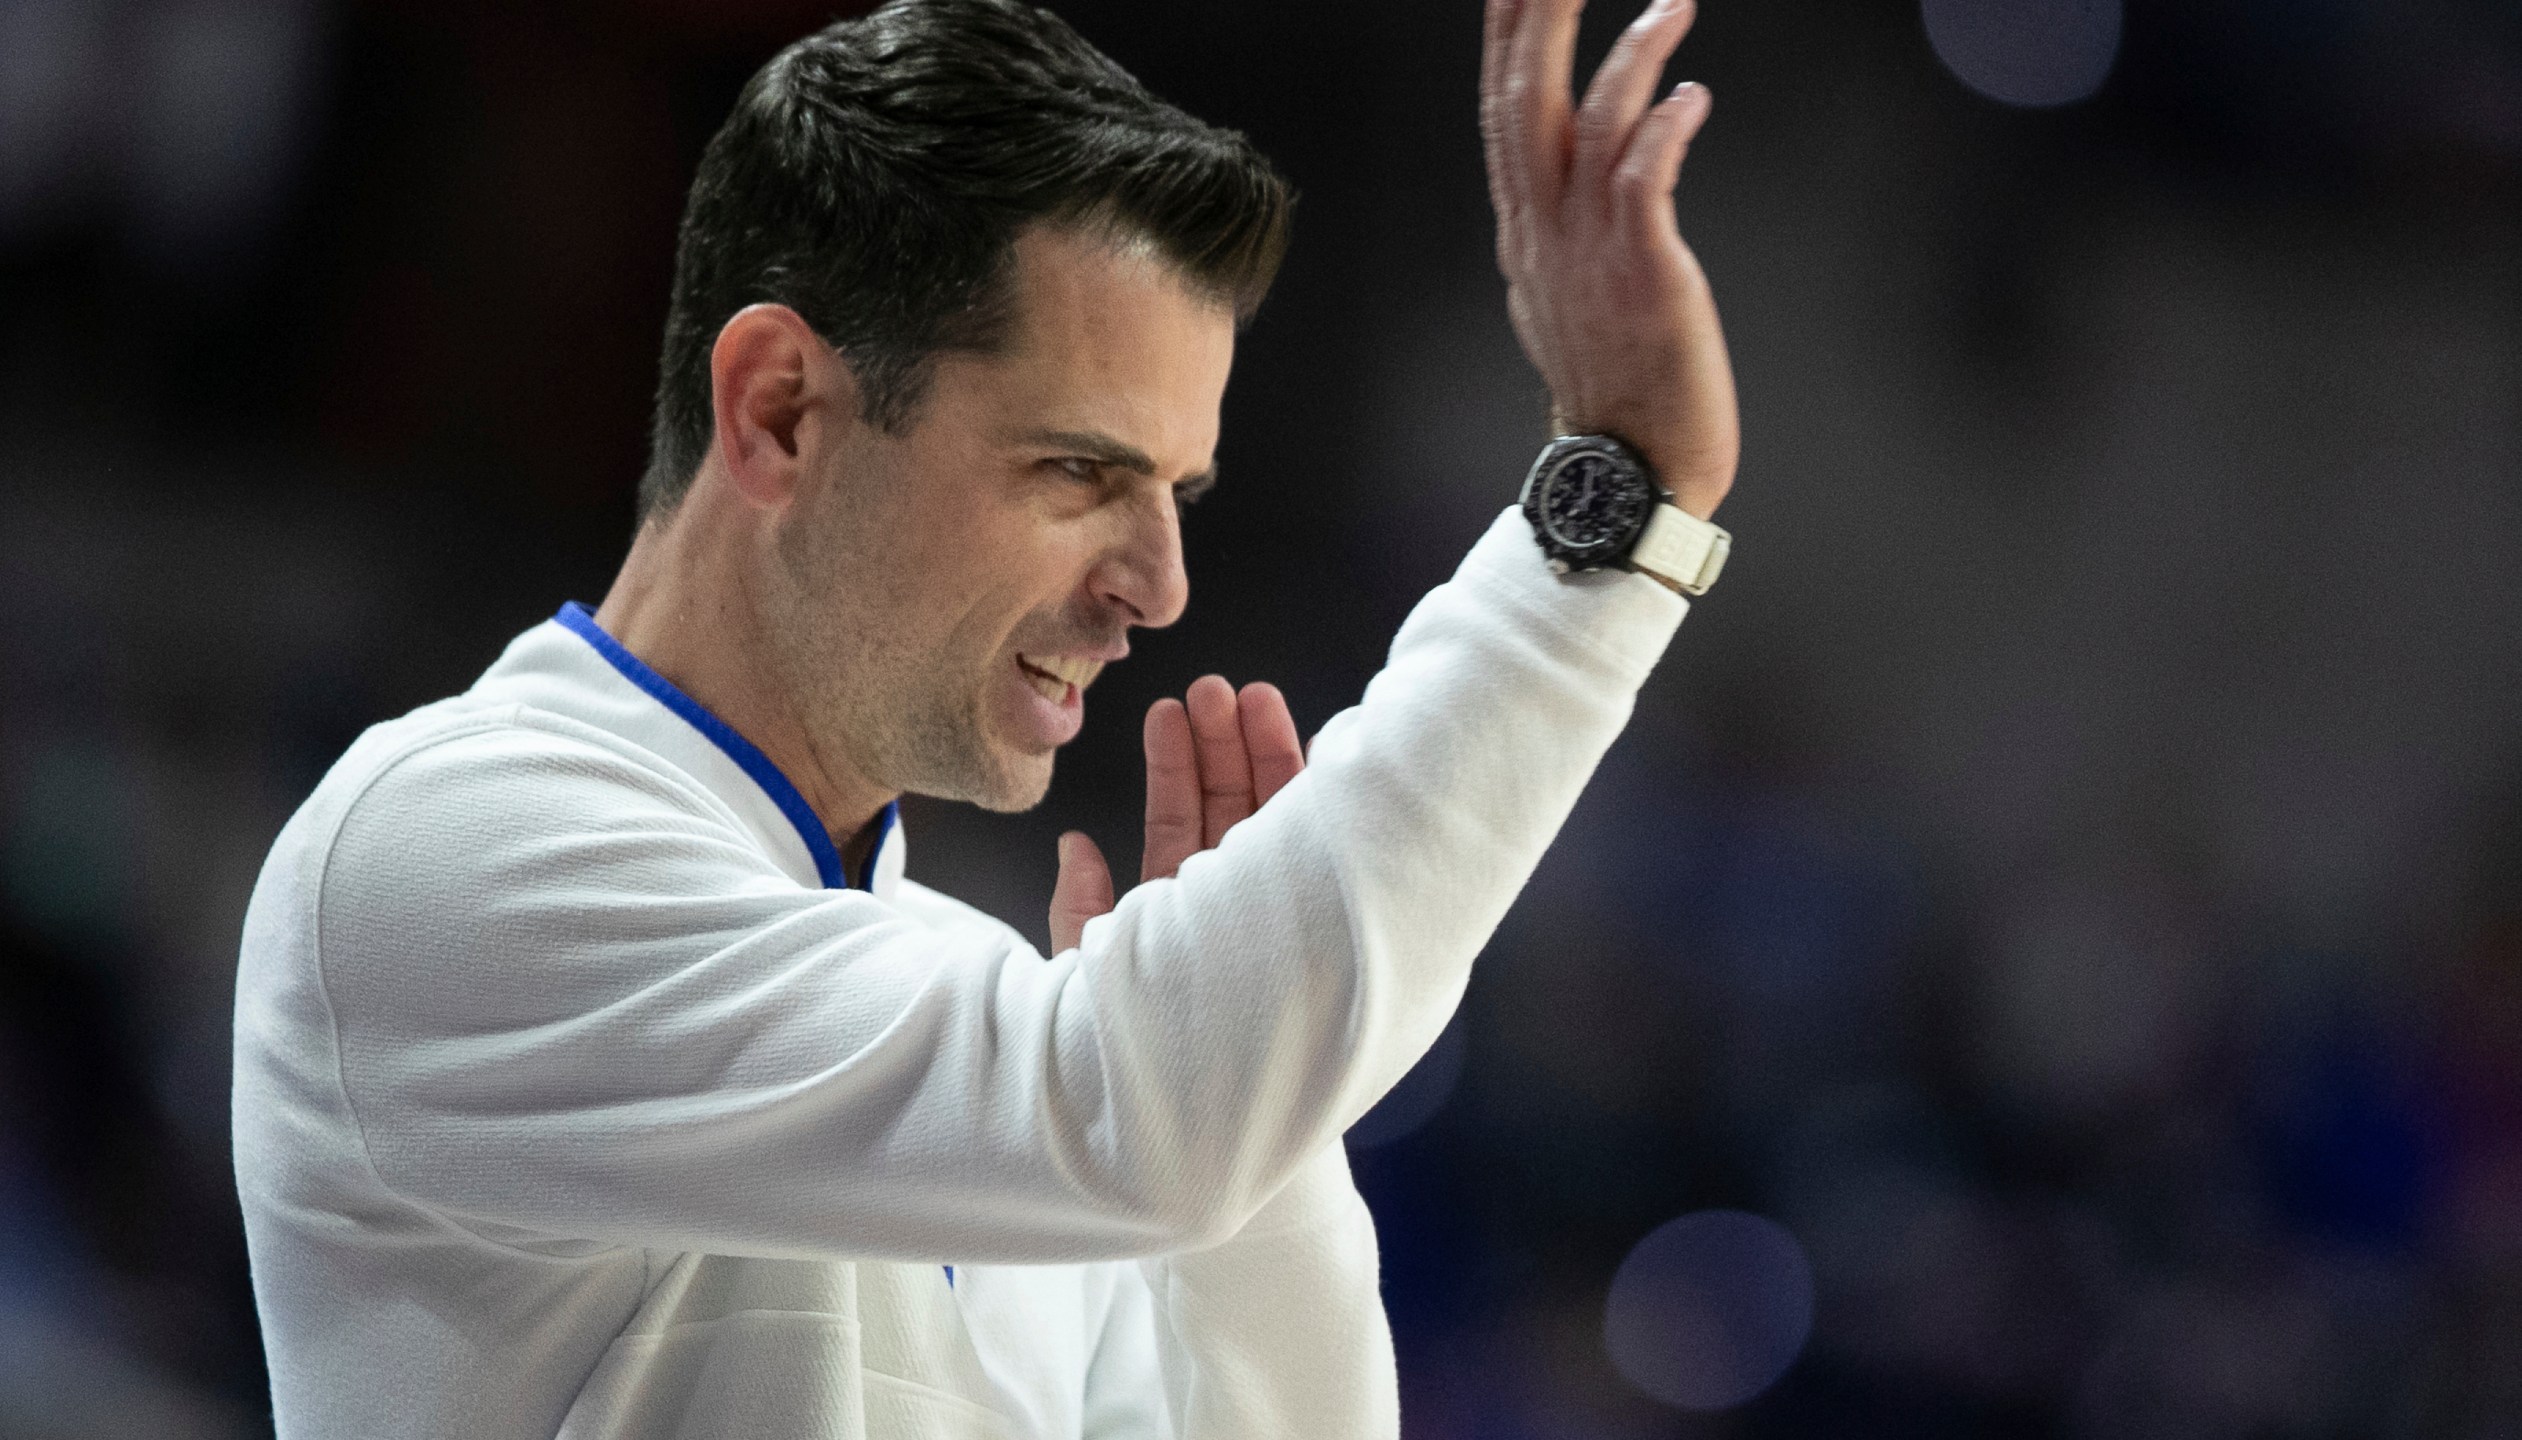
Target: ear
[{"x": 775, "y": 391}]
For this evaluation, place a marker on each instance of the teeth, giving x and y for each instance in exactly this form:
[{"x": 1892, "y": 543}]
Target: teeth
[
  {"x": 1080, "y": 673},
  {"x": 1053, "y": 674}
]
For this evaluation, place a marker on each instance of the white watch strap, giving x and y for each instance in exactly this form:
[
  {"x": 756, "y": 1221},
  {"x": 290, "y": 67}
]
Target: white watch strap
[{"x": 1681, "y": 550}]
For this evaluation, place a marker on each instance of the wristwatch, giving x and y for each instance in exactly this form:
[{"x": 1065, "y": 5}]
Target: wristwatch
[{"x": 1594, "y": 505}]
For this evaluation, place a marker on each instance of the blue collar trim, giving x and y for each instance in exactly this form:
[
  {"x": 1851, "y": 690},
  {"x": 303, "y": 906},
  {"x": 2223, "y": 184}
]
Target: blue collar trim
[{"x": 748, "y": 757}]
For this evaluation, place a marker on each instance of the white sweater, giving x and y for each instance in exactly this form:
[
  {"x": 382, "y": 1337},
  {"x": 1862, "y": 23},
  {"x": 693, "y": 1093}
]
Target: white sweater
[{"x": 575, "y": 1096}]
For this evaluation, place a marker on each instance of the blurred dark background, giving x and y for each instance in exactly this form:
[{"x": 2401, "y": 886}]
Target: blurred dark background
[{"x": 2067, "y": 882}]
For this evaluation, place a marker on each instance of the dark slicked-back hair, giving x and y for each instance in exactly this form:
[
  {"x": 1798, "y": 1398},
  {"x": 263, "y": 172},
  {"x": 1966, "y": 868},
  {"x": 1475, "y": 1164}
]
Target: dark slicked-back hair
[{"x": 875, "y": 175}]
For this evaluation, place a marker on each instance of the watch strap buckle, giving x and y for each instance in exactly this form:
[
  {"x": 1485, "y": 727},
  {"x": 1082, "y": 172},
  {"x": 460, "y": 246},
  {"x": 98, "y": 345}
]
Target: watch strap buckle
[{"x": 1683, "y": 549}]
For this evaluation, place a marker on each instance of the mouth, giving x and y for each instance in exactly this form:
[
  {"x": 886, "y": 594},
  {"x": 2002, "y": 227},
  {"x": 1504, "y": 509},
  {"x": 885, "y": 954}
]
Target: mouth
[{"x": 1055, "y": 676}]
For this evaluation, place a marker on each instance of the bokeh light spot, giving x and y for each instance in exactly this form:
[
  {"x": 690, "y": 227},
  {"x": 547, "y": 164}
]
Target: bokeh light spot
[
  {"x": 2026, "y": 52},
  {"x": 1709, "y": 1309}
]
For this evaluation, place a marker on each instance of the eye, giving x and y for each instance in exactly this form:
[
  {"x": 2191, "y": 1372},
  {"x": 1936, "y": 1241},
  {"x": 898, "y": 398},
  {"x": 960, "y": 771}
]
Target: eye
[{"x": 1078, "y": 467}]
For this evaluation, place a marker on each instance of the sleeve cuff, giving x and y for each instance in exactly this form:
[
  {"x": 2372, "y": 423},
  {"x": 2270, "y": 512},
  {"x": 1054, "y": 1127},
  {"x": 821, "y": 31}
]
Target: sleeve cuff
[{"x": 1626, "y": 617}]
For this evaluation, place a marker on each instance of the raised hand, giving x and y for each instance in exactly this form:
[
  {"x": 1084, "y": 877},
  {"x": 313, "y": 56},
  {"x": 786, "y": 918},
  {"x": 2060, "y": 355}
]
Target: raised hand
[
  {"x": 1608, "y": 301},
  {"x": 1213, "y": 758}
]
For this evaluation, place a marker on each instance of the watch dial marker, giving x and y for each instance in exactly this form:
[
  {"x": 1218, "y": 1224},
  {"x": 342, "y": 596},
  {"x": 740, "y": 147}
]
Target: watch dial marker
[{"x": 1590, "y": 503}]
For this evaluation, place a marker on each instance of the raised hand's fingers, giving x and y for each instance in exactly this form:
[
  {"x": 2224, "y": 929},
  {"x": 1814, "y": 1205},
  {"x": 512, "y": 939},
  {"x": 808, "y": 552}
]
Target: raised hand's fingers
[
  {"x": 1533, "y": 95},
  {"x": 1497, "y": 34},
  {"x": 1642, "y": 185},
  {"x": 1269, "y": 736},
  {"x": 1225, "y": 766},
  {"x": 1173, "y": 792},
  {"x": 1623, "y": 87},
  {"x": 1083, "y": 891}
]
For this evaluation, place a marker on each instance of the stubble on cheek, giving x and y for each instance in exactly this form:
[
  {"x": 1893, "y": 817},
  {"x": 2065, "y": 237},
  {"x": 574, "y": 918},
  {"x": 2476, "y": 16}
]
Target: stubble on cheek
[
  {"x": 963, "y": 757},
  {"x": 917, "y": 707},
  {"x": 887, "y": 674},
  {"x": 948, "y": 749}
]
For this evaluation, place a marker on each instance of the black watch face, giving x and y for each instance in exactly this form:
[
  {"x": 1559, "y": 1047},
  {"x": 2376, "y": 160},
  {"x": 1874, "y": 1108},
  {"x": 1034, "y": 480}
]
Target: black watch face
[{"x": 1592, "y": 506}]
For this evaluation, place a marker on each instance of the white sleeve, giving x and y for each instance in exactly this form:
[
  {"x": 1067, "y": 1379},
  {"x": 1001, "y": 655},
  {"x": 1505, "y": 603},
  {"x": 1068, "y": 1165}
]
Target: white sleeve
[
  {"x": 573, "y": 1001},
  {"x": 1279, "y": 1333},
  {"x": 1275, "y": 1334},
  {"x": 1125, "y": 1376}
]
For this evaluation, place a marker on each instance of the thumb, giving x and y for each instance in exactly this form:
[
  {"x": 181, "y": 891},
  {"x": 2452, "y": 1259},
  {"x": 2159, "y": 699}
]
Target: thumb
[{"x": 1083, "y": 891}]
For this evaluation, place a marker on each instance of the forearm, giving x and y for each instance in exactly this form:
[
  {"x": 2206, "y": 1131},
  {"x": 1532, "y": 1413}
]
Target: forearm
[{"x": 1279, "y": 986}]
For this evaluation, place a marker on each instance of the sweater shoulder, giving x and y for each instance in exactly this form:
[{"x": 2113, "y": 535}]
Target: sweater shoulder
[
  {"x": 470, "y": 740},
  {"x": 432, "y": 785}
]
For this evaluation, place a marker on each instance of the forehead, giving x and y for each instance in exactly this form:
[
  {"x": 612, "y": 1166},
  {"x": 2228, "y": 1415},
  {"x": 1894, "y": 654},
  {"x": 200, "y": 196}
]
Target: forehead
[{"x": 1107, "y": 336}]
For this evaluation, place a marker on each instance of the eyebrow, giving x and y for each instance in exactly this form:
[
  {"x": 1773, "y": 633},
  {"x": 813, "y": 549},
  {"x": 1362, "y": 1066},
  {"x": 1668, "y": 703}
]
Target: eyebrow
[{"x": 1104, "y": 450}]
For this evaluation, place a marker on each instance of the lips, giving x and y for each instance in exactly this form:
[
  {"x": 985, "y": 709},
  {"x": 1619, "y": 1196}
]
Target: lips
[{"x": 1052, "y": 675}]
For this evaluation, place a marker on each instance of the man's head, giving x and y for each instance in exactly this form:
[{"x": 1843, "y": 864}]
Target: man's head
[
  {"x": 874, "y": 177},
  {"x": 952, "y": 315}
]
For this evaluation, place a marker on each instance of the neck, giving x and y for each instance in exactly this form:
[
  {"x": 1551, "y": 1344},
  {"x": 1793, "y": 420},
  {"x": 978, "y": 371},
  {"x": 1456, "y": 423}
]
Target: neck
[{"x": 683, "y": 604}]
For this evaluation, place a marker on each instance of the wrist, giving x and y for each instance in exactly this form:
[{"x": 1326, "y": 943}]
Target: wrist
[
  {"x": 1695, "y": 479},
  {"x": 1594, "y": 501},
  {"x": 1697, "y": 495}
]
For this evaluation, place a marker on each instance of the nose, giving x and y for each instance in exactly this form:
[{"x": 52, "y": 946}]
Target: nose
[{"x": 1142, "y": 575}]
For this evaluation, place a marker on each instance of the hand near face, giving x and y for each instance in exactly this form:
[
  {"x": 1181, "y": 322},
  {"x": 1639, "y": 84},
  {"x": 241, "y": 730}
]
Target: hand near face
[
  {"x": 1213, "y": 758},
  {"x": 1608, "y": 301}
]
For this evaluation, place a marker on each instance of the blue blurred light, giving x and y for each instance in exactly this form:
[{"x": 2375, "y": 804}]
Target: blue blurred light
[
  {"x": 1710, "y": 1309},
  {"x": 2026, "y": 52}
]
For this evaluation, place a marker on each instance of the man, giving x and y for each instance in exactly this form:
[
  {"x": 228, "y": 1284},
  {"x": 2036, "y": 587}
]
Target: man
[{"x": 600, "y": 1073}]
